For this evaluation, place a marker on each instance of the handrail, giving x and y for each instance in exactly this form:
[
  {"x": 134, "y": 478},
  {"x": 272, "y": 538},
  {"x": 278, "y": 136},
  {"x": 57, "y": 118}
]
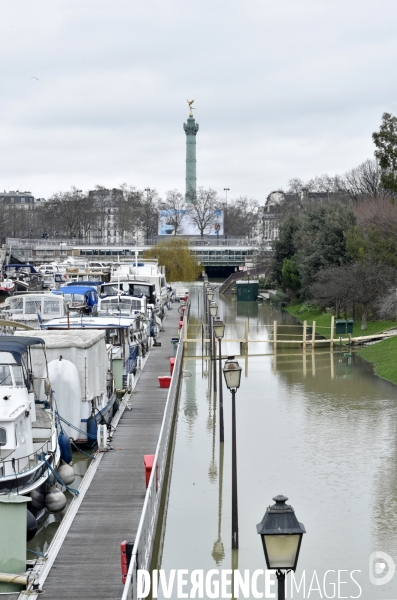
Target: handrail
[
  {"x": 37, "y": 454},
  {"x": 146, "y": 533}
]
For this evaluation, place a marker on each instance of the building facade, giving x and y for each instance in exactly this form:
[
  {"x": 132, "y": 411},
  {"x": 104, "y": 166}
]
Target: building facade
[{"x": 19, "y": 199}]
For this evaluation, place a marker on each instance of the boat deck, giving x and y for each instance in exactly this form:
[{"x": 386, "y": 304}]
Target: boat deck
[{"x": 88, "y": 563}]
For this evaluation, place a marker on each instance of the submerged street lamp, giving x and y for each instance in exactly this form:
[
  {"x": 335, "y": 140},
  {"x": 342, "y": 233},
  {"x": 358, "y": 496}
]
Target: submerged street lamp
[
  {"x": 219, "y": 329},
  {"x": 232, "y": 375},
  {"x": 281, "y": 535}
]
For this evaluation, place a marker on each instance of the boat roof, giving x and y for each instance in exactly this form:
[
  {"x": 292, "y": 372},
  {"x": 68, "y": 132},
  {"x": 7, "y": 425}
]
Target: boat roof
[
  {"x": 92, "y": 283},
  {"x": 105, "y": 322},
  {"x": 20, "y": 266},
  {"x": 129, "y": 280},
  {"x": 77, "y": 289},
  {"x": 16, "y": 345},
  {"x": 119, "y": 297},
  {"x": 65, "y": 338},
  {"x": 31, "y": 296}
]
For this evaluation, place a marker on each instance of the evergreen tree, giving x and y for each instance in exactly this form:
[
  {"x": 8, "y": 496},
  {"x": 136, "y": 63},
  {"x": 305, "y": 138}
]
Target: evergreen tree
[{"x": 385, "y": 141}]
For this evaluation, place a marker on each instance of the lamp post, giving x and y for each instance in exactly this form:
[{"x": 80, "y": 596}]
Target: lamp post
[
  {"x": 226, "y": 190},
  {"x": 281, "y": 535},
  {"x": 213, "y": 313},
  {"x": 219, "y": 328},
  {"x": 232, "y": 374},
  {"x": 210, "y": 297},
  {"x": 147, "y": 190}
]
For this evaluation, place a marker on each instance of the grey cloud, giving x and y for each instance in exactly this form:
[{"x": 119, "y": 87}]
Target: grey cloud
[{"x": 282, "y": 88}]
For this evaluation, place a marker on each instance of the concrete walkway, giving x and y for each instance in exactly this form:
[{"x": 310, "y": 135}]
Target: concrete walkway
[{"x": 88, "y": 564}]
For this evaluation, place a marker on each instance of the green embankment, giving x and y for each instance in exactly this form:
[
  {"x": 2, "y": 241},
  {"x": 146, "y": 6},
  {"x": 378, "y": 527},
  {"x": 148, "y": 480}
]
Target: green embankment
[
  {"x": 383, "y": 354},
  {"x": 323, "y": 322}
]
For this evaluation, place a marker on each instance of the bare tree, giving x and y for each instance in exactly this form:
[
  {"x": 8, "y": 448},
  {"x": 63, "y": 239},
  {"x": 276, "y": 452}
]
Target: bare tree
[
  {"x": 387, "y": 305},
  {"x": 363, "y": 182},
  {"x": 70, "y": 212},
  {"x": 202, "y": 210},
  {"x": 174, "y": 209},
  {"x": 129, "y": 208},
  {"x": 356, "y": 283}
]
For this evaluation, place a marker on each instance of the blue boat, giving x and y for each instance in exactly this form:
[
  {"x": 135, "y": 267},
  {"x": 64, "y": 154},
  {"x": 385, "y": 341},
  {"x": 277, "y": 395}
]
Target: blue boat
[{"x": 81, "y": 298}]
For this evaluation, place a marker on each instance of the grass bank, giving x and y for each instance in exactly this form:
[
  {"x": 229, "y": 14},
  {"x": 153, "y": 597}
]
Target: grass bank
[
  {"x": 383, "y": 357},
  {"x": 323, "y": 322}
]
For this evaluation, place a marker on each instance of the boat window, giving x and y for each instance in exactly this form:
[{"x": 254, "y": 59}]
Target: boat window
[
  {"x": 32, "y": 307},
  {"x": 3, "y": 436},
  {"x": 142, "y": 289},
  {"x": 16, "y": 303},
  {"x": 110, "y": 290},
  {"x": 18, "y": 375},
  {"x": 163, "y": 282},
  {"x": 130, "y": 303},
  {"x": 113, "y": 337},
  {"x": 5, "y": 375},
  {"x": 51, "y": 307},
  {"x": 74, "y": 297}
]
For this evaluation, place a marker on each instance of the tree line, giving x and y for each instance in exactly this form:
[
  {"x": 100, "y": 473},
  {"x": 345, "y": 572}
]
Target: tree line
[
  {"x": 77, "y": 214},
  {"x": 341, "y": 253}
]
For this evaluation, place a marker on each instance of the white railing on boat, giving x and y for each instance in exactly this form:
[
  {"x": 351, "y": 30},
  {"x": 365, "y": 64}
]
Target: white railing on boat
[
  {"x": 24, "y": 463},
  {"x": 147, "y": 528}
]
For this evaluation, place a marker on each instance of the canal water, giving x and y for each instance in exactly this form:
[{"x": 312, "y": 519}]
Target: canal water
[
  {"x": 49, "y": 526},
  {"x": 318, "y": 427}
]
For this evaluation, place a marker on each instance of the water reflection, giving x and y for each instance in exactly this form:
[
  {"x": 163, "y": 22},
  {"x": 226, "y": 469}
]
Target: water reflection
[
  {"x": 317, "y": 426},
  {"x": 218, "y": 551}
]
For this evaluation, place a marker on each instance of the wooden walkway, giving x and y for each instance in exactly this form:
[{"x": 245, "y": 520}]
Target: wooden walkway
[{"x": 88, "y": 564}]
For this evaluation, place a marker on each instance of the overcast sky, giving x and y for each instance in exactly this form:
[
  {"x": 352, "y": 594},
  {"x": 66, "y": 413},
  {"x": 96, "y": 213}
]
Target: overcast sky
[{"x": 282, "y": 89}]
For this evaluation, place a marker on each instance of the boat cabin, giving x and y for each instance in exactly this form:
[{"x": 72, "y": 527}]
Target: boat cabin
[
  {"x": 132, "y": 288},
  {"x": 127, "y": 338},
  {"x": 23, "y": 446},
  {"x": 34, "y": 307},
  {"x": 83, "y": 298},
  {"x": 124, "y": 305}
]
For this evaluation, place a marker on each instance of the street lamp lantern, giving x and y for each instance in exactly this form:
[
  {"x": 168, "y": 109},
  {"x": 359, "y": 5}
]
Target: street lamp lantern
[
  {"x": 232, "y": 373},
  {"x": 210, "y": 294},
  {"x": 213, "y": 309},
  {"x": 219, "y": 328},
  {"x": 281, "y": 535}
]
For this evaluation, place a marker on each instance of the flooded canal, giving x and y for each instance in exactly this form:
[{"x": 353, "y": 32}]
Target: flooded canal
[{"x": 318, "y": 427}]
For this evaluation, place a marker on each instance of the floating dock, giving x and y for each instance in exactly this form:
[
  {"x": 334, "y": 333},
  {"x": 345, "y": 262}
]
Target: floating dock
[{"x": 87, "y": 564}]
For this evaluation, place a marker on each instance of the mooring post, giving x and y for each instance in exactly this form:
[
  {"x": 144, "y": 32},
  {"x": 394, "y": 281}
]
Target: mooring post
[
  {"x": 313, "y": 334},
  {"x": 332, "y": 331},
  {"x": 275, "y": 335},
  {"x": 304, "y": 334}
]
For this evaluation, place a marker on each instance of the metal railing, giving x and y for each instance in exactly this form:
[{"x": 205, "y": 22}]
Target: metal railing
[
  {"x": 25, "y": 463},
  {"x": 144, "y": 540},
  {"x": 69, "y": 243}
]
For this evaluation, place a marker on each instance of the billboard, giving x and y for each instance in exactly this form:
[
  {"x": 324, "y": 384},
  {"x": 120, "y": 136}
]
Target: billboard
[{"x": 186, "y": 225}]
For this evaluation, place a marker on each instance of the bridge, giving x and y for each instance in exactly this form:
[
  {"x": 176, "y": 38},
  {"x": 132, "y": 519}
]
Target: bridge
[{"x": 231, "y": 253}]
